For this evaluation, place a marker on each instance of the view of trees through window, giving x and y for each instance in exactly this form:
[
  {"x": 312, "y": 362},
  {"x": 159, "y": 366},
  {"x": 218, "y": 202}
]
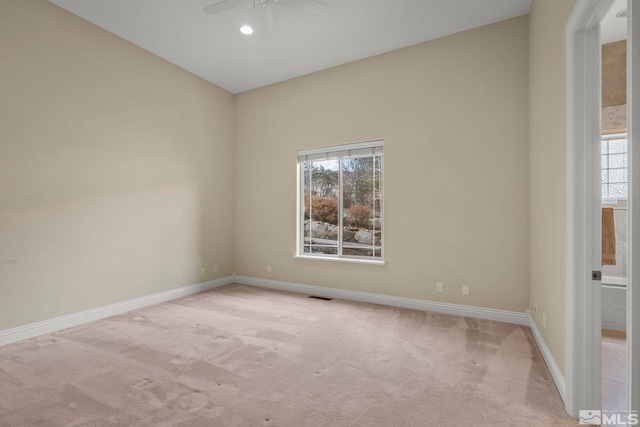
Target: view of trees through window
[{"x": 343, "y": 206}]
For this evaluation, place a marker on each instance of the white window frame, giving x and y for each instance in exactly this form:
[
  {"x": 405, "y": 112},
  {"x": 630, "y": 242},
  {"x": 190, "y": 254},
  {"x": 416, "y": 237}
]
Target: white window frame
[
  {"x": 609, "y": 137},
  {"x": 357, "y": 149}
]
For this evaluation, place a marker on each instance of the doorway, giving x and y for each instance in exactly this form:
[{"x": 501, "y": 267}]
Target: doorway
[
  {"x": 584, "y": 208},
  {"x": 614, "y": 171}
]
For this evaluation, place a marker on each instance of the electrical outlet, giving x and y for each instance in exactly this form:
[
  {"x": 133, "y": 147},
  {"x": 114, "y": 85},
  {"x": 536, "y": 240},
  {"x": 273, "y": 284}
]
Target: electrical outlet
[
  {"x": 535, "y": 308},
  {"x": 202, "y": 271},
  {"x": 268, "y": 269},
  {"x": 440, "y": 287},
  {"x": 465, "y": 290},
  {"x": 215, "y": 268}
]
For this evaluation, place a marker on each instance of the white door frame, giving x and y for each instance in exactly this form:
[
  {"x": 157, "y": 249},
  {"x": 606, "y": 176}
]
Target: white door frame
[
  {"x": 583, "y": 298},
  {"x": 583, "y": 50},
  {"x": 633, "y": 129}
]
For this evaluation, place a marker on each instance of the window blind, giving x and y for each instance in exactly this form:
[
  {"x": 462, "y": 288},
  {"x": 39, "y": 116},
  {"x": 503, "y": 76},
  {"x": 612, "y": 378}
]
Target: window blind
[{"x": 371, "y": 148}]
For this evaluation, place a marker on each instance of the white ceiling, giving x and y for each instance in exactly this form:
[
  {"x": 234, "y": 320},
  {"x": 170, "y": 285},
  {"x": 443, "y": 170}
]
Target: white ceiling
[
  {"x": 613, "y": 28},
  {"x": 211, "y": 46}
]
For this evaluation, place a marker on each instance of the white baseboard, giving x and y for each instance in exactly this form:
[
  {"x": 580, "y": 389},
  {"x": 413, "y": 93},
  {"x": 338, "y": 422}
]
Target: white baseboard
[
  {"x": 416, "y": 304},
  {"x": 556, "y": 374},
  {"x": 64, "y": 322},
  {"x": 438, "y": 307},
  {"x": 47, "y": 326}
]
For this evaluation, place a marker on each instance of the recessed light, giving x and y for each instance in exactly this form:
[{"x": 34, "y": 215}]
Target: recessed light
[
  {"x": 622, "y": 14},
  {"x": 246, "y": 30}
]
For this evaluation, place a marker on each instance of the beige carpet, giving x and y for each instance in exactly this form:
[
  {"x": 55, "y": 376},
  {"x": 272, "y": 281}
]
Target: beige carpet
[{"x": 243, "y": 356}]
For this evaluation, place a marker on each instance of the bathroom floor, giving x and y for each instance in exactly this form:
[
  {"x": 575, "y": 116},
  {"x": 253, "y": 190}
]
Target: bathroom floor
[{"x": 614, "y": 371}]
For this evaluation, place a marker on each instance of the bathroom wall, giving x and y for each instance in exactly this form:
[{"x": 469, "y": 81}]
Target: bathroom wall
[{"x": 614, "y": 120}]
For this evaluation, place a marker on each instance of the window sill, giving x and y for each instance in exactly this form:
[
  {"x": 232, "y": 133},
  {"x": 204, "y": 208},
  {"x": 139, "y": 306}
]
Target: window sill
[
  {"x": 613, "y": 281},
  {"x": 348, "y": 260}
]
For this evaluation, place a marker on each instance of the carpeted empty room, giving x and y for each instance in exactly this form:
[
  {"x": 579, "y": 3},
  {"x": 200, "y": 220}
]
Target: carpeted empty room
[
  {"x": 245, "y": 356},
  {"x": 178, "y": 192}
]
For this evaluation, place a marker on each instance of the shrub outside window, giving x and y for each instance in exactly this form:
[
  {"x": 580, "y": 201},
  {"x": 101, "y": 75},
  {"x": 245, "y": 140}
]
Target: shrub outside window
[{"x": 341, "y": 201}]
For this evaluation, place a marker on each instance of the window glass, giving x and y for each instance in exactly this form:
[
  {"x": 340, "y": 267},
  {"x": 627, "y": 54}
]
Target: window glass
[
  {"x": 341, "y": 201},
  {"x": 614, "y": 167}
]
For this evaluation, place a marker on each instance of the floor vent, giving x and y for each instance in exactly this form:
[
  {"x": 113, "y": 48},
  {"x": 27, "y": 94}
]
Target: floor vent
[{"x": 322, "y": 298}]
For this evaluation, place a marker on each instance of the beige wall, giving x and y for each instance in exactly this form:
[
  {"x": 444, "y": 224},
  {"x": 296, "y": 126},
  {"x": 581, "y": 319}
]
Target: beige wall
[
  {"x": 614, "y": 87},
  {"x": 115, "y": 168},
  {"x": 614, "y": 73},
  {"x": 547, "y": 165},
  {"x": 453, "y": 113}
]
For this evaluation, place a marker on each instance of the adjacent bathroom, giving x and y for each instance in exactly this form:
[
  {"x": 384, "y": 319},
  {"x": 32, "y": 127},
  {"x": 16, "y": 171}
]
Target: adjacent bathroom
[{"x": 615, "y": 231}]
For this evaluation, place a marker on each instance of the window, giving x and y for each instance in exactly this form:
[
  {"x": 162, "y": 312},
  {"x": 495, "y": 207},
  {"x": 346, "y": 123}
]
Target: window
[
  {"x": 614, "y": 166},
  {"x": 340, "y": 201},
  {"x": 615, "y": 188}
]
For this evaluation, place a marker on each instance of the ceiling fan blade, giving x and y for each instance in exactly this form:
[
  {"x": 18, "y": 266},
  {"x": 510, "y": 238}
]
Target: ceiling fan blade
[
  {"x": 306, "y": 5},
  {"x": 268, "y": 20},
  {"x": 223, "y": 5}
]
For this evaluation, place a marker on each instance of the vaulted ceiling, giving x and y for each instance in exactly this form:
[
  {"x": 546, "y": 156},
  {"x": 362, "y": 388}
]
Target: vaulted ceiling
[{"x": 212, "y": 47}]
